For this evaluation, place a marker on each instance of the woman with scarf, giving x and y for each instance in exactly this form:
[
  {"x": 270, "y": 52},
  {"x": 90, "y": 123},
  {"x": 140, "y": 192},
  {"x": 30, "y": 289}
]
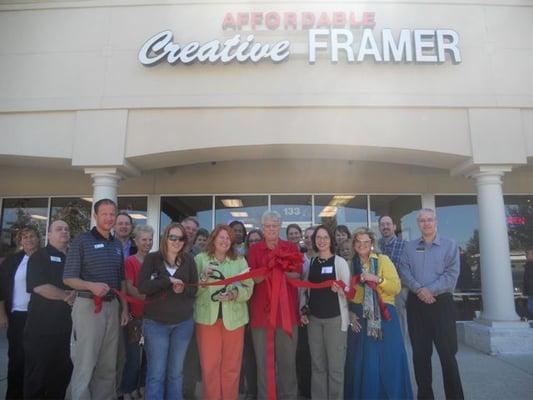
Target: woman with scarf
[{"x": 376, "y": 361}]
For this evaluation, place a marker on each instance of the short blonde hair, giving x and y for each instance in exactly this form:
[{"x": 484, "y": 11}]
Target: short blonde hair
[{"x": 363, "y": 230}]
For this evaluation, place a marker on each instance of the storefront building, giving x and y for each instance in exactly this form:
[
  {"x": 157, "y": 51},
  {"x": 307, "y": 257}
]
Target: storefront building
[{"x": 333, "y": 112}]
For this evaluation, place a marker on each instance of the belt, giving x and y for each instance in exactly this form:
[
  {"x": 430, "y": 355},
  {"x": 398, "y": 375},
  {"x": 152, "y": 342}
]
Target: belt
[{"x": 89, "y": 295}]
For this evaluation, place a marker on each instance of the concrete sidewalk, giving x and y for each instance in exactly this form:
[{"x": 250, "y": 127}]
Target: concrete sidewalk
[
  {"x": 487, "y": 377},
  {"x": 484, "y": 377}
]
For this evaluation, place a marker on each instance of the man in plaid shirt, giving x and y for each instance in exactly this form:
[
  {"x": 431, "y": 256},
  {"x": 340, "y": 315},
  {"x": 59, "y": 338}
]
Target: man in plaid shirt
[{"x": 392, "y": 246}]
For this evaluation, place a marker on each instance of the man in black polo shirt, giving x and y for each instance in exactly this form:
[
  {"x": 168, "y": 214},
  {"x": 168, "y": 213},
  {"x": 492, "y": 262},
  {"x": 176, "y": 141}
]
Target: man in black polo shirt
[
  {"x": 47, "y": 367},
  {"x": 94, "y": 266}
]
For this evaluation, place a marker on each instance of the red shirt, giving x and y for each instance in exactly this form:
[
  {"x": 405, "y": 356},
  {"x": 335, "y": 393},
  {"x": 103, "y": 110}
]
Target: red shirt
[
  {"x": 132, "y": 266},
  {"x": 258, "y": 256}
]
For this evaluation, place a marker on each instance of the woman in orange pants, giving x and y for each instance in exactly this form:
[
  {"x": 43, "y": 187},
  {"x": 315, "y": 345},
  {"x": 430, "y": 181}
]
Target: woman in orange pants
[{"x": 220, "y": 314}]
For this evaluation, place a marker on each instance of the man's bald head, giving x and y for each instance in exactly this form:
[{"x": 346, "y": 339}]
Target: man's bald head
[{"x": 59, "y": 234}]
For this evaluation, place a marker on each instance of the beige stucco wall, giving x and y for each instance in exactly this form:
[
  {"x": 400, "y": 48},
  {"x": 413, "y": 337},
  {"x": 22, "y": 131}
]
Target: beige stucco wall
[
  {"x": 73, "y": 94},
  {"x": 260, "y": 176}
]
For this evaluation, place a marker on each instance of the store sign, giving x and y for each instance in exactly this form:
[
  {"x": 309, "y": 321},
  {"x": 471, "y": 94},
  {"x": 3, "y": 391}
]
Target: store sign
[{"x": 329, "y": 33}]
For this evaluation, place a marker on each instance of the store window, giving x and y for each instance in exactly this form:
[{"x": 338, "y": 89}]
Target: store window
[
  {"x": 458, "y": 219},
  {"x": 176, "y": 208},
  {"x": 519, "y": 213},
  {"x": 136, "y": 207},
  {"x": 294, "y": 209},
  {"x": 247, "y": 209},
  {"x": 75, "y": 211},
  {"x": 20, "y": 212},
  {"x": 401, "y": 208},
  {"x": 349, "y": 210}
]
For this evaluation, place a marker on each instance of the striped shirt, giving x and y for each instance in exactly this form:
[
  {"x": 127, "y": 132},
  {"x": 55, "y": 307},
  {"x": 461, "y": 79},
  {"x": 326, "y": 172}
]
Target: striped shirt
[{"x": 93, "y": 258}]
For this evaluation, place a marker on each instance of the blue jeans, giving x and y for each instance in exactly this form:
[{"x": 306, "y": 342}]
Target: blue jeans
[
  {"x": 530, "y": 306},
  {"x": 165, "y": 347}
]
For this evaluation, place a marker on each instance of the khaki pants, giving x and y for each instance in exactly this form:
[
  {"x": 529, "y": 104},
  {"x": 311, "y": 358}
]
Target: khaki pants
[
  {"x": 286, "y": 382},
  {"x": 94, "y": 350},
  {"x": 327, "y": 344}
]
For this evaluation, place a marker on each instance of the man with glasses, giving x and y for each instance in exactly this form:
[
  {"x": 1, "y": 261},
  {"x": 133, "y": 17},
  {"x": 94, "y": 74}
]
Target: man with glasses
[
  {"x": 429, "y": 267},
  {"x": 285, "y": 345}
]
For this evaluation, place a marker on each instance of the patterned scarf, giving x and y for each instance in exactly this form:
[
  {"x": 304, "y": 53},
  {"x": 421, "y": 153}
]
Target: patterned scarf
[{"x": 371, "y": 309}]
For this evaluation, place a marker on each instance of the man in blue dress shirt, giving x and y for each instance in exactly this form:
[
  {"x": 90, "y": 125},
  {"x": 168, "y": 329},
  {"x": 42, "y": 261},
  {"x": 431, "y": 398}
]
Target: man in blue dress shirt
[{"x": 429, "y": 267}]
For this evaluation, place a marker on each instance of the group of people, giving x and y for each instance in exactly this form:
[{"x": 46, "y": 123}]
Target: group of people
[{"x": 104, "y": 315}]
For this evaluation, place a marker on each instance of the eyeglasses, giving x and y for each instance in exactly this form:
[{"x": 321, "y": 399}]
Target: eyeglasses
[
  {"x": 362, "y": 241},
  {"x": 271, "y": 226},
  {"x": 175, "y": 238}
]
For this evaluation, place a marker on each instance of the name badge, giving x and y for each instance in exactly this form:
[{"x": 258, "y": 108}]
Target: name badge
[
  {"x": 327, "y": 270},
  {"x": 420, "y": 249},
  {"x": 99, "y": 246},
  {"x": 55, "y": 259}
]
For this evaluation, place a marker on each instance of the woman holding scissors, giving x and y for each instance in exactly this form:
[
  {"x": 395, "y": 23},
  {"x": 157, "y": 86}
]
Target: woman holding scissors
[{"x": 220, "y": 313}]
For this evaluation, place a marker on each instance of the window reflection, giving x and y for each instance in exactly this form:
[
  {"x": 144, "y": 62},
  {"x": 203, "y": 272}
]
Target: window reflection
[
  {"x": 247, "y": 209},
  {"x": 20, "y": 212},
  {"x": 136, "y": 207},
  {"x": 519, "y": 213},
  {"x": 176, "y": 208},
  {"x": 458, "y": 219},
  {"x": 294, "y": 209},
  {"x": 349, "y": 210},
  {"x": 401, "y": 208},
  {"x": 75, "y": 211}
]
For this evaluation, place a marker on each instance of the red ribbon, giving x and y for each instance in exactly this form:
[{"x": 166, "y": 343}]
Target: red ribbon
[
  {"x": 275, "y": 276},
  {"x": 374, "y": 286},
  {"x": 98, "y": 300},
  {"x": 278, "y": 264}
]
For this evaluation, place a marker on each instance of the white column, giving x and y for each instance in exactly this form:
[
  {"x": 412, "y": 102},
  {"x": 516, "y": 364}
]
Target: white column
[
  {"x": 496, "y": 276},
  {"x": 105, "y": 184}
]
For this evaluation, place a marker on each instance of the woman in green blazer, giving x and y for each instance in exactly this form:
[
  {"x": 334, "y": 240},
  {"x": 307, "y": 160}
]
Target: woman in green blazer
[{"x": 220, "y": 313}]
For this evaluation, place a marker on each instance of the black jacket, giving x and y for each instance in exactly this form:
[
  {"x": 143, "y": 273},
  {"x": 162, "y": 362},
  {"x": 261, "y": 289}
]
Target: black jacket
[
  {"x": 164, "y": 305},
  {"x": 8, "y": 269}
]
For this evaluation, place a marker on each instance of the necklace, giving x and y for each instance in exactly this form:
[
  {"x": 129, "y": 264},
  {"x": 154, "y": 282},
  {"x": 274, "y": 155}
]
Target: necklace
[
  {"x": 171, "y": 266},
  {"x": 322, "y": 260}
]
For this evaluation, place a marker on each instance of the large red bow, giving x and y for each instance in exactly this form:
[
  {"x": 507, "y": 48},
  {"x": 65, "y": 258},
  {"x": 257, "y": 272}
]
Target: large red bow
[{"x": 278, "y": 264}]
